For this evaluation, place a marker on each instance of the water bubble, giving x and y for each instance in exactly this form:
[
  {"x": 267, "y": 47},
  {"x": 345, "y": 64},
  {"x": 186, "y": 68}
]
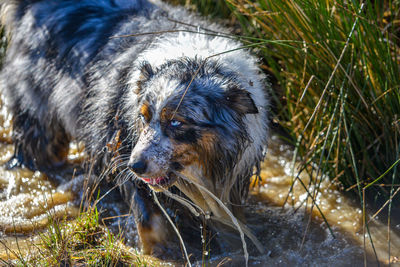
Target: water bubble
[{"x": 207, "y": 216}]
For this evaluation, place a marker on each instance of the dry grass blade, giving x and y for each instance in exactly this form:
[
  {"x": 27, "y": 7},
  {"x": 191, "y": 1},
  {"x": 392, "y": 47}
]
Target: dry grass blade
[
  {"x": 173, "y": 226},
  {"x": 242, "y": 229},
  {"x": 188, "y": 204}
]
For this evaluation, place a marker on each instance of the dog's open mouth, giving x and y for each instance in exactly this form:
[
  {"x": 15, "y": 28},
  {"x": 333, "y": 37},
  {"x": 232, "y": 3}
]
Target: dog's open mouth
[{"x": 161, "y": 181}]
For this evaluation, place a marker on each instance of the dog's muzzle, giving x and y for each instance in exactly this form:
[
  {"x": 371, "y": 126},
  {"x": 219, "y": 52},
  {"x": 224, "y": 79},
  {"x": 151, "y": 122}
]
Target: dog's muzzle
[{"x": 150, "y": 159}]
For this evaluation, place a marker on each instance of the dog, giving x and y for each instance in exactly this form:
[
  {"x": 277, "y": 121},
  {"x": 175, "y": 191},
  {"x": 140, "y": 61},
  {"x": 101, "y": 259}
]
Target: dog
[{"x": 162, "y": 100}]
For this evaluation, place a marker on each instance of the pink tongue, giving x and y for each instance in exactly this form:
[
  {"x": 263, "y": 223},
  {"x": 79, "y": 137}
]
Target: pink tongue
[
  {"x": 153, "y": 181},
  {"x": 148, "y": 180}
]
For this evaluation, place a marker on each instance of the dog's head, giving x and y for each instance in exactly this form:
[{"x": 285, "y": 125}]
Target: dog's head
[{"x": 199, "y": 127}]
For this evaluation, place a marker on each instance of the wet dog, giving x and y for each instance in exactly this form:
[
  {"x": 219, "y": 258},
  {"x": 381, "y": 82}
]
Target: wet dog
[{"x": 162, "y": 105}]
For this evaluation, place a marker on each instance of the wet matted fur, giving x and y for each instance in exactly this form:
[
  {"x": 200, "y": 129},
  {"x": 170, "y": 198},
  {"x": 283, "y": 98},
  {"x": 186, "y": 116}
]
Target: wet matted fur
[{"x": 141, "y": 91}]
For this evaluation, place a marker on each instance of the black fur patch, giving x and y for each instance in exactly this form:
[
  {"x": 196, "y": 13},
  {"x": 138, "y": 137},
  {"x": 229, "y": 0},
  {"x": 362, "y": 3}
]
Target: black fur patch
[
  {"x": 188, "y": 136},
  {"x": 240, "y": 101},
  {"x": 146, "y": 70}
]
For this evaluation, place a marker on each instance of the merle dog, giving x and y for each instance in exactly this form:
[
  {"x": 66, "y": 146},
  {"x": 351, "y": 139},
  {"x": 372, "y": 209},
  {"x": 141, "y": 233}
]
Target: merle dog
[{"x": 167, "y": 106}]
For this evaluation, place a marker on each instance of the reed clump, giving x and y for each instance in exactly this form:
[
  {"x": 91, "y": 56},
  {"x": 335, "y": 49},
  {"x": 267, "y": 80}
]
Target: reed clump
[{"x": 337, "y": 66}]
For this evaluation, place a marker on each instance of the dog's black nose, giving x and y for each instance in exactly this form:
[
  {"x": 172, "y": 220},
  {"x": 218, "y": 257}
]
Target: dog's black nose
[{"x": 138, "y": 166}]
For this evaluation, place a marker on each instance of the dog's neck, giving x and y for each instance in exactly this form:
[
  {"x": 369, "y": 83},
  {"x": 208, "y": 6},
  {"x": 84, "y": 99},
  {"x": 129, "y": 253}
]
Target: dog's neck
[{"x": 199, "y": 188}]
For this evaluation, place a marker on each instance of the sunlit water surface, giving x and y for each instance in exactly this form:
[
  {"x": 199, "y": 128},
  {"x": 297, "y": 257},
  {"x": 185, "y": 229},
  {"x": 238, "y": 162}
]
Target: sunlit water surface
[{"x": 28, "y": 199}]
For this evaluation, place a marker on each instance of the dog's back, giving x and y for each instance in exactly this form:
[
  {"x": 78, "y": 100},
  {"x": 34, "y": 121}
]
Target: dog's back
[{"x": 53, "y": 44}]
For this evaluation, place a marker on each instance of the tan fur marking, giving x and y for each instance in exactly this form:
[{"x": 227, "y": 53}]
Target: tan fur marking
[
  {"x": 145, "y": 111},
  {"x": 184, "y": 154},
  {"x": 207, "y": 142},
  {"x": 57, "y": 151},
  {"x": 198, "y": 154},
  {"x": 138, "y": 89},
  {"x": 166, "y": 115},
  {"x": 206, "y": 150},
  {"x": 152, "y": 235}
]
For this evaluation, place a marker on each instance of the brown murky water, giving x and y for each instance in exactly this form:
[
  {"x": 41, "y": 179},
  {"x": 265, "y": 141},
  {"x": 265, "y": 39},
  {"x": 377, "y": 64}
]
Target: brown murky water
[{"x": 28, "y": 199}]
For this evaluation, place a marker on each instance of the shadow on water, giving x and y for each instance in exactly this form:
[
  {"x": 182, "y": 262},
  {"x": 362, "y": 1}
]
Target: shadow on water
[{"x": 291, "y": 237}]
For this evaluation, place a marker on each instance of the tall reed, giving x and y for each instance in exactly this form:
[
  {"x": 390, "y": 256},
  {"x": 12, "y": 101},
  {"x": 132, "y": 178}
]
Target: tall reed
[{"x": 337, "y": 65}]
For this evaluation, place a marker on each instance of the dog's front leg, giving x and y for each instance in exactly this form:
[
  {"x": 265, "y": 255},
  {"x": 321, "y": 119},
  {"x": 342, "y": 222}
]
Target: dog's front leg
[{"x": 153, "y": 228}]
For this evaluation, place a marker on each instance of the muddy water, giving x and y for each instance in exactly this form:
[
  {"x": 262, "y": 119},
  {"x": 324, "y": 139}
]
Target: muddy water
[{"x": 292, "y": 238}]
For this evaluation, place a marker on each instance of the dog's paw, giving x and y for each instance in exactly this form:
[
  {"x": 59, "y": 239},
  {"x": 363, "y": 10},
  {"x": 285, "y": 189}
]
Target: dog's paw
[
  {"x": 12, "y": 164},
  {"x": 19, "y": 161}
]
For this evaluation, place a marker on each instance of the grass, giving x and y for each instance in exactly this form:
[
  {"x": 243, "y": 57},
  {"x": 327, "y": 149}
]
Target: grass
[
  {"x": 337, "y": 67},
  {"x": 81, "y": 242}
]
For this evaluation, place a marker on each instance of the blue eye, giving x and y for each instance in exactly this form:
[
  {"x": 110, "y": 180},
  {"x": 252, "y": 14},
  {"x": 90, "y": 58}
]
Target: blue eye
[{"x": 175, "y": 123}]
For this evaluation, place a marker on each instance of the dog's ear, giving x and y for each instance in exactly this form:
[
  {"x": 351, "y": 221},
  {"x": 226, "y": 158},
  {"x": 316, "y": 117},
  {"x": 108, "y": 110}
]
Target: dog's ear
[
  {"x": 240, "y": 100},
  {"x": 146, "y": 70}
]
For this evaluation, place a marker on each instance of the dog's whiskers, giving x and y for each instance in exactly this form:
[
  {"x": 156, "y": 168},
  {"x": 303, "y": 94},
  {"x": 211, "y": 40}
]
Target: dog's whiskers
[
  {"x": 116, "y": 163},
  {"x": 122, "y": 178}
]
